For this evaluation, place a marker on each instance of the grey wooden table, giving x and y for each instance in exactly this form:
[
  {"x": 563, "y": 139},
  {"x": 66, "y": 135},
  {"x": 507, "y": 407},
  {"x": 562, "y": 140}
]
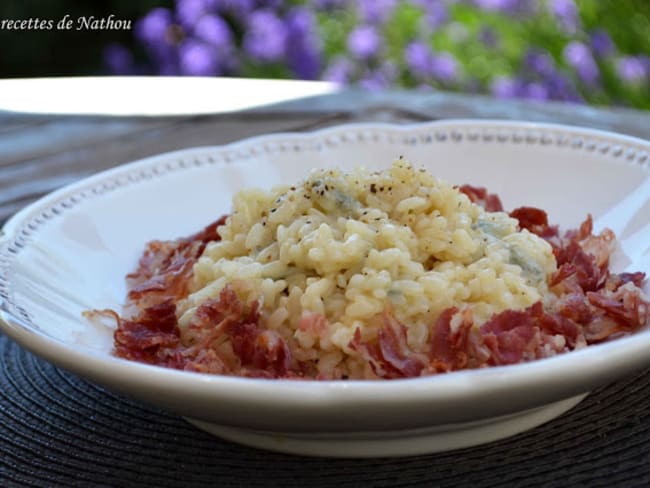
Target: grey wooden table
[{"x": 57, "y": 430}]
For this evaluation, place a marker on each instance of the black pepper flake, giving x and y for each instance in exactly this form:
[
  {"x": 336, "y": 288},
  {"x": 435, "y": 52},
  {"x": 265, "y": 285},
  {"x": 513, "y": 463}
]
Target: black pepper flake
[
  {"x": 373, "y": 188},
  {"x": 273, "y": 210},
  {"x": 293, "y": 188}
]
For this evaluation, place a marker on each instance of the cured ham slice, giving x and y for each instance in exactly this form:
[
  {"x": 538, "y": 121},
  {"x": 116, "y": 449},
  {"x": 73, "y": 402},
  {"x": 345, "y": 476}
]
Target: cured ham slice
[
  {"x": 489, "y": 201},
  {"x": 587, "y": 305}
]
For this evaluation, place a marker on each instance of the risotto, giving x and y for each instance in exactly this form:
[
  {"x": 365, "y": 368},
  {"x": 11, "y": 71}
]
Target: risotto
[{"x": 367, "y": 275}]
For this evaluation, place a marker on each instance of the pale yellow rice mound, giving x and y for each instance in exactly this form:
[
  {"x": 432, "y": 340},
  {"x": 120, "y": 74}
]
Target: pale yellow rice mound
[{"x": 345, "y": 245}]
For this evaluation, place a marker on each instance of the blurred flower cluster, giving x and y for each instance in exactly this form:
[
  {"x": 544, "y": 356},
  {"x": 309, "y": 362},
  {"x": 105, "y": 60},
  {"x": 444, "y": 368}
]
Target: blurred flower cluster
[{"x": 535, "y": 49}]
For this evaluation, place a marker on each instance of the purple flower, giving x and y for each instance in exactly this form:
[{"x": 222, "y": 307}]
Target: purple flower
[
  {"x": 561, "y": 88},
  {"x": 339, "y": 71},
  {"x": 419, "y": 58},
  {"x": 537, "y": 91},
  {"x": 328, "y": 4},
  {"x": 188, "y": 12},
  {"x": 435, "y": 12},
  {"x": 118, "y": 59},
  {"x": 488, "y": 37},
  {"x": 153, "y": 28},
  {"x": 566, "y": 13},
  {"x": 511, "y": 7},
  {"x": 579, "y": 56},
  {"x": 503, "y": 87},
  {"x": 301, "y": 21},
  {"x": 213, "y": 30},
  {"x": 444, "y": 67},
  {"x": 156, "y": 31},
  {"x": 266, "y": 36},
  {"x": 364, "y": 42},
  {"x": 375, "y": 11},
  {"x": 305, "y": 64},
  {"x": 197, "y": 59},
  {"x": 270, "y": 4},
  {"x": 376, "y": 80},
  {"x": 424, "y": 63},
  {"x": 372, "y": 83},
  {"x": 168, "y": 67},
  {"x": 601, "y": 43},
  {"x": 240, "y": 8},
  {"x": 303, "y": 44},
  {"x": 540, "y": 63},
  {"x": 632, "y": 69},
  {"x": 497, "y": 5}
]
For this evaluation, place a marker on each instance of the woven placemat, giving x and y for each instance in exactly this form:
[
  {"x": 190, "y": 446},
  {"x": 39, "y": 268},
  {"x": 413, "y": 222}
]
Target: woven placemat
[{"x": 58, "y": 430}]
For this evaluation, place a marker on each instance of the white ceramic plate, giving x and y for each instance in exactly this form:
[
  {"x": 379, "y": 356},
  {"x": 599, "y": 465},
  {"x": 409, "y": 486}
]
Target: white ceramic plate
[{"x": 69, "y": 252}]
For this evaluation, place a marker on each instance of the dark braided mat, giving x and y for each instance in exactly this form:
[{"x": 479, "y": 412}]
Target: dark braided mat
[{"x": 57, "y": 430}]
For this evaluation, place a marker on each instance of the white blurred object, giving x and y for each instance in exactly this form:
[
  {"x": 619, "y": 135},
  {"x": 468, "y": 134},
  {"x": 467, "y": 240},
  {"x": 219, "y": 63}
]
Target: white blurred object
[{"x": 150, "y": 95}]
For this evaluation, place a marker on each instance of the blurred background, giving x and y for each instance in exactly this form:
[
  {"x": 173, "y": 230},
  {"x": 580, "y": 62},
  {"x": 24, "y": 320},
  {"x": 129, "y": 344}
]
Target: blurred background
[{"x": 583, "y": 51}]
